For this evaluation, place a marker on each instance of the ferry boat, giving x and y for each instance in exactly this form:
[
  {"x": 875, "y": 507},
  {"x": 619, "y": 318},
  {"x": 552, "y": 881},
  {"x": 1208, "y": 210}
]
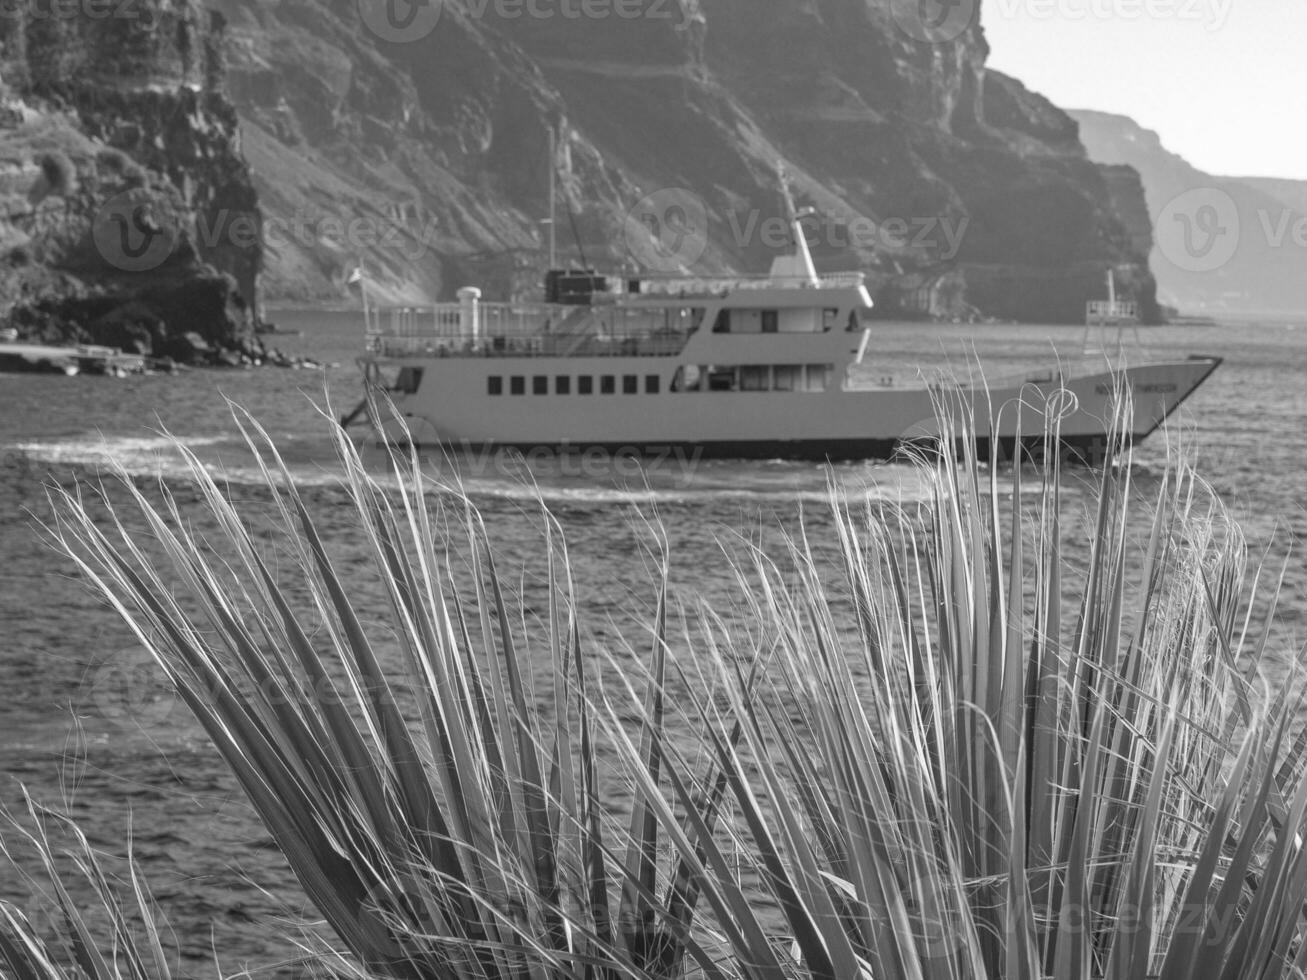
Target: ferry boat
[{"x": 716, "y": 367}]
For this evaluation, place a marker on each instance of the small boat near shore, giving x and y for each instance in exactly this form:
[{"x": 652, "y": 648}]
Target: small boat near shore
[
  {"x": 16, "y": 357},
  {"x": 1113, "y": 311}
]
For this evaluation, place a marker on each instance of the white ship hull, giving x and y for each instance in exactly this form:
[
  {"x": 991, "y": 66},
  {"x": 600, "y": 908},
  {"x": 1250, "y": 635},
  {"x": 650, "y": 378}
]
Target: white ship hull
[{"x": 452, "y": 408}]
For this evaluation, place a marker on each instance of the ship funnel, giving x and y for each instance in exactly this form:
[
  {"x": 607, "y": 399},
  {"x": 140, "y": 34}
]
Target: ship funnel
[{"x": 469, "y": 300}]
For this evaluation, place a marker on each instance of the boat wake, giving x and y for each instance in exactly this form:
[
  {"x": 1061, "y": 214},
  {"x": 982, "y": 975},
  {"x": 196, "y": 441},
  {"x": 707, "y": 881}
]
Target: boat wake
[{"x": 508, "y": 478}]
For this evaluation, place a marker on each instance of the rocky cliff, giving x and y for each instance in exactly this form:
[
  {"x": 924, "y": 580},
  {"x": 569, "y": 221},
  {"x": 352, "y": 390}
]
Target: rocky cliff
[
  {"x": 127, "y": 213},
  {"x": 421, "y": 147},
  {"x": 1225, "y": 245}
]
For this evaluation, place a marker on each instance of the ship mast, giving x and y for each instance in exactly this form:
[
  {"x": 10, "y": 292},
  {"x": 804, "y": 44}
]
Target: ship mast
[
  {"x": 553, "y": 197},
  {"x": 799, "y": 265}
]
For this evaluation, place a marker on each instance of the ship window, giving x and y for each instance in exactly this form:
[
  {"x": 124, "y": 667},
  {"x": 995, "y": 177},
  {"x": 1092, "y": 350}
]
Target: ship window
[
  {"x": 539, "y": 385},
  {"x": 495, "y": 385},
  {"x": 607, "y": 384},
  {"x": 818, "y": 377},
  {"x": 787, "y": 377},
  {"x": 771, "y": 321},
  {"x": 585, "y": 385},
  {"x": 721, "y": 379},
  {"x": 517, "y": 384},
  {"x": 854, "y": 326},
  {"x": 828, "y": 318},
  {"x": 563, "y": 384},
  {"x": 754, "y": 378},
  {"x": 723, "y": 322},
  {"x": 651, "y": 384},
  {"x": 630, "y": 384}
]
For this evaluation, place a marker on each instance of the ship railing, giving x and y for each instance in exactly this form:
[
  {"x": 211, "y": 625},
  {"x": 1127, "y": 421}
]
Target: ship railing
[
  {"x": 1108, "y": 311},
  {"x": 558, "y": 346},
  {"x": 1046, "y": 376},
  {"x": 725, "y": 285},
  {"x": 539, "y": 330},
  {"x": 1050, "y": 375}
]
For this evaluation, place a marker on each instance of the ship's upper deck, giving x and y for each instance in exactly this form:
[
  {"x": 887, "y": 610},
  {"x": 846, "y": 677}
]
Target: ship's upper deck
[
  {"x": 529, "y": 330},
  {"x": 649, "y": 316},
  {"x": 589, "y": 315}
]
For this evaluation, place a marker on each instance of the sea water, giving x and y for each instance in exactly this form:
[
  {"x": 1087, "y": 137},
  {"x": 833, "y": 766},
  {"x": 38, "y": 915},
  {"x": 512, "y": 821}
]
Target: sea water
[{"x": 70, "y": 738}]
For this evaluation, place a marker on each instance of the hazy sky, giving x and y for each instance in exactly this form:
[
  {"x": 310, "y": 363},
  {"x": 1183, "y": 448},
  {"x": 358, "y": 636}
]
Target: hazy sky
[{"x": 1223, "y": 81}]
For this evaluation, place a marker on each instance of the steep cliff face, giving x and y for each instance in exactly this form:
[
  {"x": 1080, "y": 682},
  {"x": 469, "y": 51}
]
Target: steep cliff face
[
  {"x": 954, "y": 187},
  {"x": 127, "y": 214},
  {"x": 1224, "y": 245}
]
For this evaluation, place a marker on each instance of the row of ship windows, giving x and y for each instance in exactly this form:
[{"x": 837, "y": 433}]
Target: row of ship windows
[
  {"x": 585, "y": 384},
  {"x": 780, "y": 377},
  {"x": 754, "y": 377}
]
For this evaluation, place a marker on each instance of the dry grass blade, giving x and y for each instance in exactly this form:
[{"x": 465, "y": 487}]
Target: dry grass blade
[
  {"x": 110, "y": 931},
  {"x": 978, "y": 739}
]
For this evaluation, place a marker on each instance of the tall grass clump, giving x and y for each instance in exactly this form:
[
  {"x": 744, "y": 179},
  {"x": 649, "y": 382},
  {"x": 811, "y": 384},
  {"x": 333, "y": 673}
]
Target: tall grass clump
[
  {"x": 81, "y": 921},
  {"x": 993, "y": 736}
]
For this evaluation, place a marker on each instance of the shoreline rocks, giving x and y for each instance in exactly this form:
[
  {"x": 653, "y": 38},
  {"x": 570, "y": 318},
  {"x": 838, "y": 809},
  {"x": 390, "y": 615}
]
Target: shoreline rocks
[{"x": 128, "y": 217}]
